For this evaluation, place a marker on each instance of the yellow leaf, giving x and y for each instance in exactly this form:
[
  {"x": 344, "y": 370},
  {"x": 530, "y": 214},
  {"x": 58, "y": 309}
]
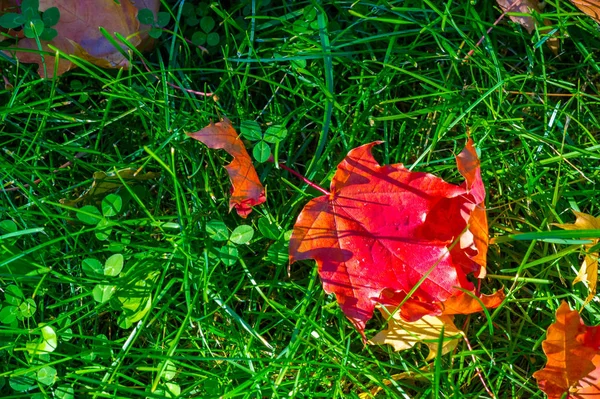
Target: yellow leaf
[
  {"x": 427, "y": 330},
  {"x": 588, "y": 272}
]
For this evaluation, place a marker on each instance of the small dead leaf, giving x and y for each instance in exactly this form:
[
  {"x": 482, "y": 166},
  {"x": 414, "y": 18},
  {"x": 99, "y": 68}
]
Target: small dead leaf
[
  {"x": 527, "y": 21},
  {"x": 404, "y": 335},
  {"x": 107, "y": 182},
  {"x": 573, "y": 352},
  {"x": 521, "y": 7},
  {"x": 588, "y": 272},
  {"x": 246, "y": 188}
]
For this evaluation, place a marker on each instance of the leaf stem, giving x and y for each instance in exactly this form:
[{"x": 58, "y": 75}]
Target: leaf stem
[{"x": 299, "y": 176}]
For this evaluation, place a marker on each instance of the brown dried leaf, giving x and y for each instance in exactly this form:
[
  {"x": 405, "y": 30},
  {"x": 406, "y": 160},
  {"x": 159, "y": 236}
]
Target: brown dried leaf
[
  {"x": 107, "y": 182},
  {"x": 527, "y": 21},
  {"x": 524, "y": 7}
]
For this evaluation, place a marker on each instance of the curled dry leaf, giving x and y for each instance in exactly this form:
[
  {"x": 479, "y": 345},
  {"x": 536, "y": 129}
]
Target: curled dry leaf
[
  {"x": 573, "y": 352},
  {"x": 384, "y": 230},
  {"x": 588, "y": 272},
  {"x": 107, "y": 182},
  {"x": 79, "y": 34},
  {"x": 246, "y": 188}
]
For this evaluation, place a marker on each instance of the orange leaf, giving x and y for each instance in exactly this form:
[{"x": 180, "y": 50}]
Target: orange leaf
[
  {"x": 590, "y": 7},
  {"x": 463, "y": 303},
  {"x": 246, "y": 191},
  {"x": 476, "y": 238},
  {"x": 588, "y": 272},
  {"x": 79, "y": 34},
  {"x": 573, "y": 352}
]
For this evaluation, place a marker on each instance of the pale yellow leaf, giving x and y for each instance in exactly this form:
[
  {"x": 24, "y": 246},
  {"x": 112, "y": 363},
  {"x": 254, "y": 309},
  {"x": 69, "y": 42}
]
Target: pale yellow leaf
[
  {"x": 588, "y": 272},
  {"x": 404, "y": 335}
]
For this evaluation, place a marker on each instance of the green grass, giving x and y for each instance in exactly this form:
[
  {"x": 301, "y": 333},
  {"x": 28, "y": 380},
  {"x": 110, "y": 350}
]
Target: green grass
[{"x": 336, "y": 75}]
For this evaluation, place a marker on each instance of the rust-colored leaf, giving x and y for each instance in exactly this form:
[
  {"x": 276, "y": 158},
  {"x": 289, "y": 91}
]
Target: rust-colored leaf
[
  {"x": 79, "y": 34},
  {"x": 384, "y": 230},
  {"x": 573, "y": 352},
  {"x": 588, "y": 272},
  {"x": 247, "y": 190}
]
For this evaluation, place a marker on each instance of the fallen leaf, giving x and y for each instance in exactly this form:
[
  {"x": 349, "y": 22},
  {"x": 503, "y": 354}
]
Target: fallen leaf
[
  {"x": 79, "y": 34},
  {"x": 246, "y": 188},
  {"x": 590, "y": 7},
  {"x": 588, "y": 272},
  {"x": 573, "y": 352},
  {"x": 403, "y": 334},
  {"x": 527, "y": 21},
  {"x": 521, "y": 7},
  {"x": 384, "y": 230},
  {"x": 107, "y": 182}
]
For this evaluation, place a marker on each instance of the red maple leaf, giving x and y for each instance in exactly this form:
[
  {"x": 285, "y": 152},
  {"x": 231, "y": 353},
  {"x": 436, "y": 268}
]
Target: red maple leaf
[
  {"x": 246, "y": 188},
  {"x": 384, "y": 230},
  {"x": 573, "y": 351}
]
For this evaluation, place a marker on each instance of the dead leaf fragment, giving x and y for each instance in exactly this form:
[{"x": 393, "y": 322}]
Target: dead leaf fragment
[
  {"x": 246, "y": 188},
  {"x": 590, "y": 7},
  {"x": 79, "y": 34},
  {"x": 107, "y": 182},
  {"x": 573, "y": 352},
  {"x": 404, "y": 335},
  {"x": 527, "y": 21},
  {"x": 408, "y": 375},
  {"x": 588, "y": 272},
  {"x": 522, "y": 7}
]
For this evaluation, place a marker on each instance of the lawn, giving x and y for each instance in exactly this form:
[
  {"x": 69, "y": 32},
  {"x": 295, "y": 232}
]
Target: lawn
[{"x": 147, "y": 286}]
